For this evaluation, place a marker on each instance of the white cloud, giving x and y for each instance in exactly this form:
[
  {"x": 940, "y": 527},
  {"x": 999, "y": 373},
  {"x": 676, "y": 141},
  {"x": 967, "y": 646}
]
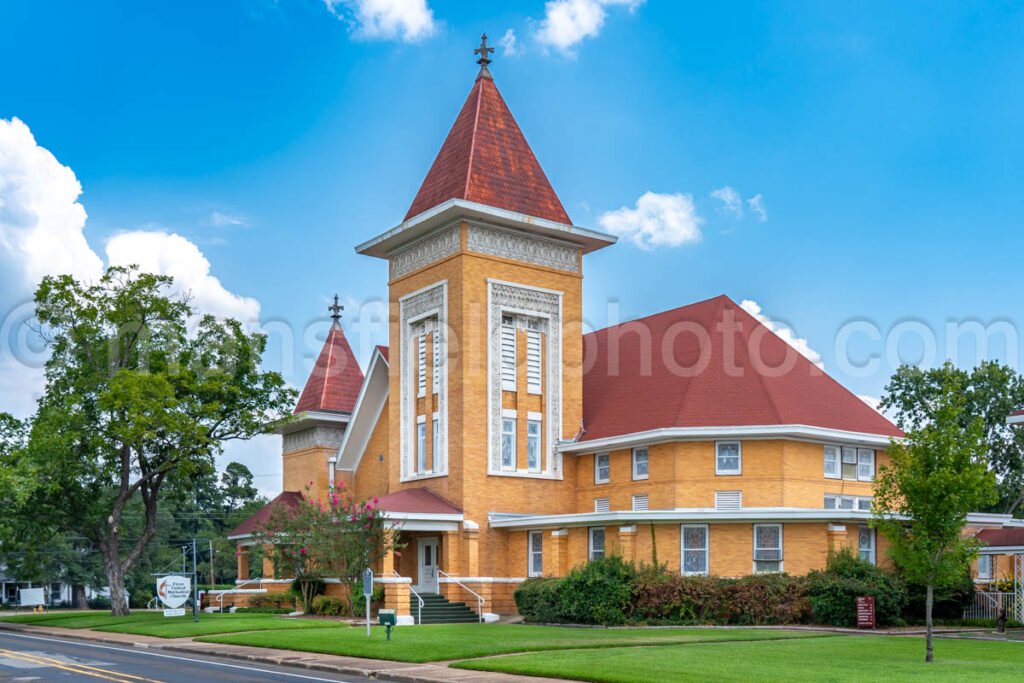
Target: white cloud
[
  {"x": 509, "y": 43},
  {"x": 406, "y": 20},
  {"x": 42, "y": 232},
  {"x": 784, "y": 332},
  {"x": 756, "y": 204},
  {"x": 219, "y": 219},
  {"x": 566, "y": 23},
  {"x": 730, "y": 198},
  {"x": 658, "y": 220}
]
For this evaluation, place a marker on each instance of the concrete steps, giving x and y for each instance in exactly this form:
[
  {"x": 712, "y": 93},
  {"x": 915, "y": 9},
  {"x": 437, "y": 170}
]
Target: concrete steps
[{"x": 438, "y": 610}]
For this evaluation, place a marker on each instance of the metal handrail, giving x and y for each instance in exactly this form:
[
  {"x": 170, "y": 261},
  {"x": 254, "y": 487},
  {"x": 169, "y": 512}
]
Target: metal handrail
[
  {"x": 479, "y": 598},
  {"x": 419, "y": 609},
  {"x": 238, "y": 587}
]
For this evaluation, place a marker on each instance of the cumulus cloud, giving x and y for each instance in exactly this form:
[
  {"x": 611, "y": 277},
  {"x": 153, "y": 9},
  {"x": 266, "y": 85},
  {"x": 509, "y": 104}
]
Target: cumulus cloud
[
  {"x": 784, "y": 332},
  {"x": 657, "y": 220},
  {"x": 406, "y": 20},
  {"x": 730, "y": 198},
  {"x": 567, "y": 23},
  {"x": 756, "y": 204},
  {"x": 42, "y": 232},
  {"x": 509, "y": 43}
]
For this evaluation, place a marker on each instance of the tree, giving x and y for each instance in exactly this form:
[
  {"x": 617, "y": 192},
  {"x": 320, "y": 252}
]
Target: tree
[
  {"x": 991, "y": 391},
  {"x": 236, "y": 486},
  {"x": 935, "y": 477},
  {"x": 337, "y": 537},
  {"x": 136, "y": 402}
]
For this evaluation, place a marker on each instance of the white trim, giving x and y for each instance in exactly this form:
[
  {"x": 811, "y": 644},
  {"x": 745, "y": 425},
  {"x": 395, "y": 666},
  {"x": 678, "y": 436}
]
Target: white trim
[
  {"x": 1015, "y": 420},
  {"x": 739, "y": 455},
  {"x": 1001, "y": 550},
  {"x": 499, "y": 520},
  {"x": 707, "y": 549},
  {"x": 669, "y": 434},
  {"x": 361, "y": 399},
  {"x": 482, "y": 579},
  {"x": 531, "y": 551},
  {"x": 509, "y": 412},
  {"x": 994, "y": 518}
]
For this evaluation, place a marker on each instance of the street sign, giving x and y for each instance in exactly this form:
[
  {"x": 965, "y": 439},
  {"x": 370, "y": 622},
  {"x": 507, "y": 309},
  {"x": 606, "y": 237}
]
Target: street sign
[
  {"x": 367, "y": 583},
  {"x": 173, "y": 591},
  {"x": 176, "y": 612},
  {"x": 865, "y": 611}
]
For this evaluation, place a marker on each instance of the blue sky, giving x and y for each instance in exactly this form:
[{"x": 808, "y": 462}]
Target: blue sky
[{"x": 885, "y": 142}]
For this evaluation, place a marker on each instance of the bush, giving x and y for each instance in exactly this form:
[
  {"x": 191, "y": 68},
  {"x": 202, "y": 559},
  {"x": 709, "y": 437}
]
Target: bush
[
  {"x": 599, "y": 592},
  {"x": 761, "y": 599},
  {"x": 834, "y": 591},
  {"x": 359, "y": 602},
  {"x": 540, "y": 600},
  {"x": 99, "y": 603},
  {"x": 326, "y": 606},
  {"x": 263, "y": 610},
  {"x": 950, "y": 601}
]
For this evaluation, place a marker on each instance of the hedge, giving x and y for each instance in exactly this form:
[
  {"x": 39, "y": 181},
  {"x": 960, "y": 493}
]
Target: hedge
[{"x": 834, "y": 591}]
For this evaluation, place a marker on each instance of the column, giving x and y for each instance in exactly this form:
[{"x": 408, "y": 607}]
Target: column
[
  {"x": 556, "y": 553},
  {"x": 471, "y": 541},
  {"x": 242, "y": 560},
  {"x": 627, "y": 543}
]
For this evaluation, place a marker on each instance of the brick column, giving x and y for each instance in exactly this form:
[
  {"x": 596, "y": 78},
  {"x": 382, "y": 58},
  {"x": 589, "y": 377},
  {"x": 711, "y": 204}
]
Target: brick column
[
  {"x": 242, "y": 560},
  {"x": 556, "y": 553},
  {"x": 268, "y": 562},
  {"x": 471, "y": 541},
  {"x": 627, "y": 543},
  {"x": 838, "y": 538}
]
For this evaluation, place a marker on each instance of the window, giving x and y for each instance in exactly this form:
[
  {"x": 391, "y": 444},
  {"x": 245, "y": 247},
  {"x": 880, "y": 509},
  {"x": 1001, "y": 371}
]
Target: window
[
  {"x": 835, "y": 501},
  {"x": 536, "y": 553},
  {"x": 767, "y": 548},
  {"x": 694, "y": 549},
  {"x": 421, "y": 444},
  {"x": 866, "y": 543},
  {"x": 508, "y": 443},
  {"x": 437, "y": 361},
  {"x": 640, "y": 502},
  {"x": 602, "y": 505},
  {"x": 984, "y": 566},
  {"x": 596, "y": 543},
  {"x": 849, "y": 462},
  {"x": 533, "y": 445},
  {"x": 727, "y": 459},
  {"x": 639, "y": 463},
  {"x": 832, "y": 462},
  {"x": 421, "y": 365},
  {"x": 533, "y": 359},
  {"x": 508, "y": 353},
  {"x": 728, "y": 500},
  {"x": 865, "y": 464},
  {"x": 602, "y": 468}
]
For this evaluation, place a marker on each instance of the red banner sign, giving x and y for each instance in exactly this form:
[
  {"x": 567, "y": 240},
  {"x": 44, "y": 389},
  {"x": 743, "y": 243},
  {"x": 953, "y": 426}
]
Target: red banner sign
[{"x": 865, "y": 612}]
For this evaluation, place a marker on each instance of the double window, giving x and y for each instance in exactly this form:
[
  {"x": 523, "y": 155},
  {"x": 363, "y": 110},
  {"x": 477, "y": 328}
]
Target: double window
[
  {"x": 602, "y": 468},
  {"x": 694, "y": 545},
  {"x": 536, "y": 553},
  {"x": 835, "y": 501},
  {"x": 596, "y": 543},
  {"x": 848, "y": 462},
  {"x": 534, "y": 353},
  {"x": 639, "y": 463},
  {"x": 767, "y": 548},
  {"x": 508, "y": 443},
  {"x": 866, "y": 543},
  {"x": 728, "y": 458}
]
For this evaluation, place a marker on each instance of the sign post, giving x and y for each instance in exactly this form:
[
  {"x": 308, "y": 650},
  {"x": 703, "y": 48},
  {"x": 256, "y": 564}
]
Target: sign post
[
  {"x": 865, "y": 611},
  {"x": 367, "y": 593}
]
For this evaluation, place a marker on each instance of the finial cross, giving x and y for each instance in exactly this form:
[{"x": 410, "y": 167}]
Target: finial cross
[
  {"x": 336, "y": 310},
  {"x": 483, "y": 51}
]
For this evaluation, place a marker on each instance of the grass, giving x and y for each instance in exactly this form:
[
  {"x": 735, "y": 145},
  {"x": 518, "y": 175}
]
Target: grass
[
  {"x": 156, "y": 624},
  {"x": 463, "y": 641},
  {"x": 833, "y": 658}
]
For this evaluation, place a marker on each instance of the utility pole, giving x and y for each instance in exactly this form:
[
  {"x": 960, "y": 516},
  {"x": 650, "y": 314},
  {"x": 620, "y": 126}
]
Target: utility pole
[
  {"x": 195, "y": 584},
  {"x": 213, "y": 581}
]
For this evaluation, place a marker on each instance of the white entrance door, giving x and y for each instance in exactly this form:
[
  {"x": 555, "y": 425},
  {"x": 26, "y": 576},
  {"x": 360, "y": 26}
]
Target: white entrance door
[{"x": 427, "y": 573}]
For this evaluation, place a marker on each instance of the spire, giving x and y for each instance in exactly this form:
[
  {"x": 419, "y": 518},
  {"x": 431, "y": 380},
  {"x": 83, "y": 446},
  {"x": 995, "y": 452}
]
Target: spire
[
  {"x": 486, "y": 159},
  {"x": 334, "y": 384}
]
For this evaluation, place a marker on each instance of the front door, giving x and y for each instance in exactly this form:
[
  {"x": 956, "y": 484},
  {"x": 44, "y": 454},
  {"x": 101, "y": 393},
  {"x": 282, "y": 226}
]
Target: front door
[{"x": 427, "y": 573}]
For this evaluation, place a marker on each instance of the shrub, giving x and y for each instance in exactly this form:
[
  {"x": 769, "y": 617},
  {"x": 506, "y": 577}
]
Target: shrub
[
  {"x": 599, "y": 592},
  {"x": 762, "y": 599},
  {"x": 766, "y": 599},
  {"x": 327, "y": 606},
  {"x": 834, "y": 591},
  {"x": 263, "y": 610},
  {"x": 950, "y": 601},
  {"x": 99, "y": 603},
  {"x": 359, "y": 602},
  {"x": 540, "y": 600}
]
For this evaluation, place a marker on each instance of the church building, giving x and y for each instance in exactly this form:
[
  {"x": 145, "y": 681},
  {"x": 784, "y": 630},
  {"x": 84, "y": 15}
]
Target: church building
[{"x": 505, "y": 443}]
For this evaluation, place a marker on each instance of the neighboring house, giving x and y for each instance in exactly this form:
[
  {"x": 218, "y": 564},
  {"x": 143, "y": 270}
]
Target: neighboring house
[
  {"x": 508, "y": 444},
  {"x": 57, "y": 593}
]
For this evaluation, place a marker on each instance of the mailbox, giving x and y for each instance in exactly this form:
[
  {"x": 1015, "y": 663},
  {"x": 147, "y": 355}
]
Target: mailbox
[{"x": 387, "y": 619}]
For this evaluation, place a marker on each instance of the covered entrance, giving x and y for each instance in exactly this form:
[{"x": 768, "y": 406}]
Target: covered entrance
[{"x": 427, "y": 561}]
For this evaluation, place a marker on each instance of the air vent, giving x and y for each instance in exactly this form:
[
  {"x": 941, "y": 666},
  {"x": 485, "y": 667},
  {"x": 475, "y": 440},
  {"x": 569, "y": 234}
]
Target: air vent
[
  {"x": 601, "y": 505},
  {"x": 728, "y": 500},
  {"x": 640, "y": 503}
]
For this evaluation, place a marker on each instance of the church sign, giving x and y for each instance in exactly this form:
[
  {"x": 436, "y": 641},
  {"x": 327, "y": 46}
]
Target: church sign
[{"x": 173, "y": 591}]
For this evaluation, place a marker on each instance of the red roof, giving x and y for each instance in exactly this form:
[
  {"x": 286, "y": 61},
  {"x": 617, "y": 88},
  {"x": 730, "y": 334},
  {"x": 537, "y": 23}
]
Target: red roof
[
  {"x": 418, "y": 500},
  {"x": 334, "y": 384},
  {"x": 1001, "y": 537},
  {"x": 384, "y": 352},
  {"x": 255, "y": 523},
  {"x": 486, "y": 159},
  {"x": 663, "y": 375},
  {"x": 1017, "y": 413}
]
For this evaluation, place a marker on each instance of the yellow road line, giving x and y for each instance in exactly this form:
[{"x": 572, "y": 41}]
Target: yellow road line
[{"x": 83, "y": 669}]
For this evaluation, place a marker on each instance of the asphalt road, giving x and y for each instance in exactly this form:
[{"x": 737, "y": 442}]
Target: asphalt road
[{"x": 27, "y": 658}]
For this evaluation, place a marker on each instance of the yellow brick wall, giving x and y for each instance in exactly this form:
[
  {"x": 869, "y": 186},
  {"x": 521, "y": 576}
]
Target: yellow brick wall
[
  {"x": 305, "y": 466},
  {"x": 372, "y": 476}
]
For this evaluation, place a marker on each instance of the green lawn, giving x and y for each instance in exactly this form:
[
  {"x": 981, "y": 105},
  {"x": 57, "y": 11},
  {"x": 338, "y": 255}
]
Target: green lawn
[
  {"x": 156, "y": 624},
  {"x": 834, "y": 658},
  {"x": 463, "y": 641}
]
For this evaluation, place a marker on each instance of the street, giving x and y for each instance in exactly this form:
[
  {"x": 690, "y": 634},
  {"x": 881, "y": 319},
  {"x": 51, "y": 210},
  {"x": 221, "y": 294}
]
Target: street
[{"x": 34, "y": 658}]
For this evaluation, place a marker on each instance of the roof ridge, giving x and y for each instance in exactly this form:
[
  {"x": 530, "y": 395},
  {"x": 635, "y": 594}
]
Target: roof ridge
[
  {"x": 472, "y": 138},
  {"x": 724, "y": 297},
  {"x": 760, "y": 378}
]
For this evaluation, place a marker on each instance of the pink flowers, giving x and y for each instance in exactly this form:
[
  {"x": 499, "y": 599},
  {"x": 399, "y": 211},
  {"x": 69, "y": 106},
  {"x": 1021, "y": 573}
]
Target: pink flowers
[
  {"x": 303, "y": 551},
  {"x": 398, "y": 553},
  {"x": 376, "y": 500}
]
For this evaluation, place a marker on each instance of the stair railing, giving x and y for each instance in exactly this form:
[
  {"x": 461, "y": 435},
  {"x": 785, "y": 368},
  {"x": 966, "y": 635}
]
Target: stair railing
[
  {"x": 479, "y": 598},
  {"x": 238, "y": 587},
  {"x": 419, "y": 609}
]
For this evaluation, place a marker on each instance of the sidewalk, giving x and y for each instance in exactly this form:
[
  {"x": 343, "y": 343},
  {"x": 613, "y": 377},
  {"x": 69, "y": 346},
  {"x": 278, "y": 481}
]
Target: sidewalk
[{"x": 401, "y": 672}]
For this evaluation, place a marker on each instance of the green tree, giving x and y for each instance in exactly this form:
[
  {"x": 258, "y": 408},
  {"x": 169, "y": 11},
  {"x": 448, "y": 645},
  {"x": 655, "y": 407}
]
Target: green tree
[
  {"x": 991, "y": 391},
  {"x": 136, "y": 402},
  {"x": 236, "y": 487},
  {"x": 935, "y": 477}
]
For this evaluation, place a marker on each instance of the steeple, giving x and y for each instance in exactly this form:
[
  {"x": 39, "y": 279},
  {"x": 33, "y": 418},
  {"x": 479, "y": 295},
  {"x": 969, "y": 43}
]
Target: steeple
[
  {"x": 334, "y": 384},
  {"x": 486, "y": 159}
]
